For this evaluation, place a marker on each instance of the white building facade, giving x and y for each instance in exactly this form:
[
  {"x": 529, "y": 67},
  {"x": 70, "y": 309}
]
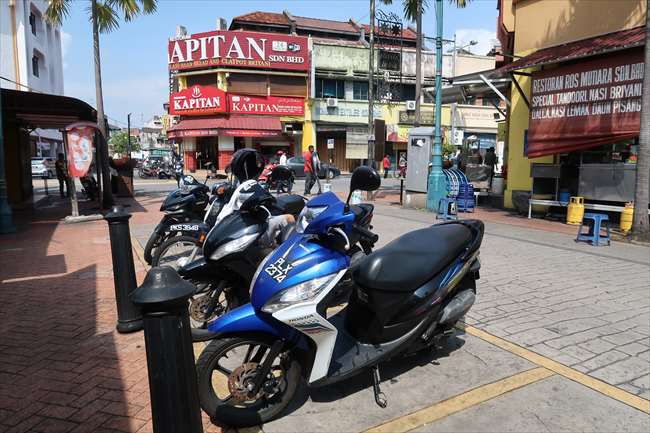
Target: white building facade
[{"x": 31, "y": 57}]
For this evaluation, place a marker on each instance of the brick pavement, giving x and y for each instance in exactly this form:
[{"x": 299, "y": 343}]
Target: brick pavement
[{"x": 63, "y": 367}]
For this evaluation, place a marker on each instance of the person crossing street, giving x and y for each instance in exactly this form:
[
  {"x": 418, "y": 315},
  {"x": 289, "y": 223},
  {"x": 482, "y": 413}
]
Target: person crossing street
[{"x": 308, "y": 168}]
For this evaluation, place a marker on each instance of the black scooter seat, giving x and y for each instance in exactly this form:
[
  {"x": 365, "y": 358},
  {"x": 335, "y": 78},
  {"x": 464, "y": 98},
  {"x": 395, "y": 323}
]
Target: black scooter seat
[
  {"x": 413, "y": 259},
  {"x": 289, "y": 204}
]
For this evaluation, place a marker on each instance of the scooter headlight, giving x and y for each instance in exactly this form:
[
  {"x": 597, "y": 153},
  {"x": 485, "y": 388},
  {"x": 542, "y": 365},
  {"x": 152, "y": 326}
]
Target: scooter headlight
[
  {"x": 307, "y": 215},
  {"x": 233, "y": 246},
  {"x": 302, "y": 292}
]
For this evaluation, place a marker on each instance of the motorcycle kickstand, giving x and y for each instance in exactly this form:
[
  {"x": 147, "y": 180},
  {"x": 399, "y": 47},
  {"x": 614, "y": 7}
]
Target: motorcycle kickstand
[{"x": 380, "y": 397}]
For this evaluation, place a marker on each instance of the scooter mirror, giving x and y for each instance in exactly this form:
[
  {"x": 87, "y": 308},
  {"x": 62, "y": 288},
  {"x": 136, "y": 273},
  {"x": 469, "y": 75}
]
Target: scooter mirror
[
  {"x": 365, "y": 178},
  {"x": 281, "y": 173}
]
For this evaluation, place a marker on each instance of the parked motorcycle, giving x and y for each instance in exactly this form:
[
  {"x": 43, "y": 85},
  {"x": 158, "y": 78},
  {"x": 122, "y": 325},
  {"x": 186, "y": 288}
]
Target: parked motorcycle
[
  {"x": 184, "y": 211},
  {"x": 248, "y": 229},
  {"x": 407, "y": 297},
  {"x": 89, "y": 186},
  {"x": 279, "y": 186}
]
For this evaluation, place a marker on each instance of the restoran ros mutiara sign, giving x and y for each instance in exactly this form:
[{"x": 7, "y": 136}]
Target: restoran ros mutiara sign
[{"x": 239, "y": 49}]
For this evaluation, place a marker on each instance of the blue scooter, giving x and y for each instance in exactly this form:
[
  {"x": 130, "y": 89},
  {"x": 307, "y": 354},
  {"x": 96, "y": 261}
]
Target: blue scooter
[{"x": 407, "y": 296}]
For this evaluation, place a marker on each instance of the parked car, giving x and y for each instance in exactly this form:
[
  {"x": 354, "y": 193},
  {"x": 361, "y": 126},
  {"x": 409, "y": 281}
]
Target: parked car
[
  {"x": 297, "y": 164},
  {"x": 42, "y": 167}
]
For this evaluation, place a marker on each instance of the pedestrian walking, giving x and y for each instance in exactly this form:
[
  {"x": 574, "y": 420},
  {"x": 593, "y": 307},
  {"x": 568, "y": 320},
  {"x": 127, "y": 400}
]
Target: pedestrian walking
[
  {"x": 402, "y": 165},
  {"x": 386, "y": 165},
  {"x": 62, "y": 174},
  {"x": 316, "y": 165},
  {"x": 308, "y": 168},
  {"x": 491, "y": 160},
  {"x": 178, "y": 167}
]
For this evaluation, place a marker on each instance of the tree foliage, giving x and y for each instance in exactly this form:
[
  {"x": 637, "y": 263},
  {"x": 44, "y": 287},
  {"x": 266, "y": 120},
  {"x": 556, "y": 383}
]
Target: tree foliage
[
  {"x": 119, "y": 143},
  {"x": 108, "y": 11}
]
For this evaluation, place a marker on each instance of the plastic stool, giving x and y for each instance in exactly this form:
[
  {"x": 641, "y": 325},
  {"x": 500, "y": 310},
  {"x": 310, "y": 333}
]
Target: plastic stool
[
  {"x": 594, "y": 234},
  {"x": 447, "y": 209}
]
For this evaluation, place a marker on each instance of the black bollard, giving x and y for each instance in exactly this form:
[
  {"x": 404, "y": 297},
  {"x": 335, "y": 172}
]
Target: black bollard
[
  {"x": 163, "y": 298},
  {"x": 129, "y": 317}
]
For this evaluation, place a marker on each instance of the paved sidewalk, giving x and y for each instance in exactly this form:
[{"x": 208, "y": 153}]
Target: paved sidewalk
[{"x": 63, "y": 367}]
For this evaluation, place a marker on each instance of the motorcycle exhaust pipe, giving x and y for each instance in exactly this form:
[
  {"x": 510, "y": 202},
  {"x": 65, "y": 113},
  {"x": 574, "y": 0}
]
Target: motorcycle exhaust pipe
[{"x": 457, "y": 307}]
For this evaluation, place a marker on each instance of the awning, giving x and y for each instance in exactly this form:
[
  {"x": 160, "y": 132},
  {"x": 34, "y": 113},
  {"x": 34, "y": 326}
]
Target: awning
[
  {"x": 491, "y": 84},
  {"x": 602, "y": 44},
  {"x": 42, "y": 110},
  {"x": 236, "y": 126}
]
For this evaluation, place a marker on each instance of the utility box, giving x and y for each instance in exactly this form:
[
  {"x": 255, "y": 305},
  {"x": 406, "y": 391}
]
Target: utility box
[{"x": 420, "y": 144}]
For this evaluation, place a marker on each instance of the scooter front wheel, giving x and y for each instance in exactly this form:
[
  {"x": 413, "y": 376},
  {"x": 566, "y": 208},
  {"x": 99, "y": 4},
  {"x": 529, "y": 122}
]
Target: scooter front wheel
[{"x": 226, "y": 370}]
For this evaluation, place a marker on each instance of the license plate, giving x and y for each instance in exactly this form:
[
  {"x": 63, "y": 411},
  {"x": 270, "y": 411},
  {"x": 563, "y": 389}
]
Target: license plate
[{"x": 184, "y": 227}]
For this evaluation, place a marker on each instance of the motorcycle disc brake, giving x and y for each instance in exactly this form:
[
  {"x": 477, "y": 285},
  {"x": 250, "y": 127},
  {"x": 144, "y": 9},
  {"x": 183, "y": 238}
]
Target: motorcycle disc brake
[{"x": 240, "y": 383}]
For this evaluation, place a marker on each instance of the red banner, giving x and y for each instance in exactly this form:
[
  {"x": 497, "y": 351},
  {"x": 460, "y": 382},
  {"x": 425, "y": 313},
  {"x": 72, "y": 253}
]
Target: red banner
[
  {"x": 198, "y": 100},
  {"x": 80, "y": 139},
  {"x": 586, "y": 104},
  {"x": 275, "y": 105},
  {"x": 239, "y": 49}
]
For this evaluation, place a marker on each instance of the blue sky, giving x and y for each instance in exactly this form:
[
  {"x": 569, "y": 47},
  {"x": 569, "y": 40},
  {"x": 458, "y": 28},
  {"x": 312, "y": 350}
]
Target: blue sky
[{"x": 134, "y": 57}]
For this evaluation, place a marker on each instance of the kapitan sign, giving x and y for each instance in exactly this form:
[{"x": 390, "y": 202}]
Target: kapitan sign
[
  {"x": 198, "y": 100},
  {"x": 239, "y": 49},
  {"x": 590, "y": 103},
  {"x": 276, "y": 105}
]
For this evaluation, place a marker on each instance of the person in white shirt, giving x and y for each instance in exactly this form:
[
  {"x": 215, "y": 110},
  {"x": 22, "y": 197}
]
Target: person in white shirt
[{"x": 283, "y": 158}]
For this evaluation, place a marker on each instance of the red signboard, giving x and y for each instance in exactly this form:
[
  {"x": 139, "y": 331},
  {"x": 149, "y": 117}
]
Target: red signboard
[
  {"x": 79, "y": 138},
  {"x": 198, "y": 100},
  {"x": 275, "y": 105},
  {"x": 239, "y": 49},
  {"x": 586, "y": 104}
]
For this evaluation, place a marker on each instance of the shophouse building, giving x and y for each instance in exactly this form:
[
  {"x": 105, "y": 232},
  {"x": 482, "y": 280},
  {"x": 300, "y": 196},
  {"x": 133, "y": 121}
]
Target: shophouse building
[
  {"x": 337, "y": 108},
  {"x": 31, "y": 60},
  {"x": 574, "y": 119},
  {"x": 234, "y": 89}
]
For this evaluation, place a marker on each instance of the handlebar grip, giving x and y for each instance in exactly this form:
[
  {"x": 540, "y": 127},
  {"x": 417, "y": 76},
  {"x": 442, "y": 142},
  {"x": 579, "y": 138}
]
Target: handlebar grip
[{"x": 365, "y": 233}]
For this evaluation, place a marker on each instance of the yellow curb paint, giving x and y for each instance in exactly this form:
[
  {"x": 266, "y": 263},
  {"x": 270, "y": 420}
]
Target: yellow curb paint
[
  {"x": 462, "y": 401},
  {"x": 139, "y": 252},
  {"x": 561, "y": 369}
]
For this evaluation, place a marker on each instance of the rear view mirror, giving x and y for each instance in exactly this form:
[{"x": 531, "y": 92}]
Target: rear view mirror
[
  {"x": 281, "y": 173},
  {"x": 364, "y": 178}
]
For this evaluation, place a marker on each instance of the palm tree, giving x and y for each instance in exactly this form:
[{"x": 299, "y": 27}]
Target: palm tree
[
  {"x": 104, "y": 15},
  {"x": 641, "y": 226},
  {"x": 413, "y": 10}
]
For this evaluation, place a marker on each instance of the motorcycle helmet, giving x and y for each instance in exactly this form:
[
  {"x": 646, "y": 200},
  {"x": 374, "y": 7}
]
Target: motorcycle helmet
[{"x": 247, "y": 164}]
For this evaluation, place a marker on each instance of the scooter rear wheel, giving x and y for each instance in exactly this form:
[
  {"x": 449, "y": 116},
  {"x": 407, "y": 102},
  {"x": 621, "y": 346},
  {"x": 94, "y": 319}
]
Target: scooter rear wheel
[{"x": 225, "y": 368}]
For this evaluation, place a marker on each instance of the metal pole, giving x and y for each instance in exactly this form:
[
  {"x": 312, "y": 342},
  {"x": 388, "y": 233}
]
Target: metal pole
[
  {"x": 371, "y": 90},
  {"x": 129, "y": 149},
  {"x": 6, "y": 223},
  {"x": 418, "y": 65},
  {"x": 69, "y": 180},
  {"x": 170, "y": 358},
  {"x": 129, "y": 318},
  {"x": 437, "y": 184}
]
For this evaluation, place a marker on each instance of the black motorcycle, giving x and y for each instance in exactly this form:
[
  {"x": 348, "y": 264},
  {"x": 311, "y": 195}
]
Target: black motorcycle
[{"x": 184, "y": 211}]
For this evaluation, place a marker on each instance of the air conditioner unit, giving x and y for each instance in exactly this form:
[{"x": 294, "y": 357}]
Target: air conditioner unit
[
  {"x": 410, "y": 105},
  {"x": 332, "y": 102}
]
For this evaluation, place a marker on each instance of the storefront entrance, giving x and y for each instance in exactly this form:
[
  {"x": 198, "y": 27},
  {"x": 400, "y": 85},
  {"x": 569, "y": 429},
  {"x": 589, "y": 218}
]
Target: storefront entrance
[{"x": 206, "y": 151}]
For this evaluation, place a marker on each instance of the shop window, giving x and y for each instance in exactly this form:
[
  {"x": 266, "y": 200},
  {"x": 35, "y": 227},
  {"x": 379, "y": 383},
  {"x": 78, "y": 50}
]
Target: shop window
[
  {"x": 390, "y": 60},
  {"x": 360, "y": 90},
  {"x": 330, "y": 88},
  {"x": 35, "y": 65},
  {"x": 249, "y": 84},
  {"x": 287, "y": 86},
  {"x": 202, "y": 80}
]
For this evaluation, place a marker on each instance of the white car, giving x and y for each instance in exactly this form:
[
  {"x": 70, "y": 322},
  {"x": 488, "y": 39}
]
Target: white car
[{"x": 42, "y": 167}]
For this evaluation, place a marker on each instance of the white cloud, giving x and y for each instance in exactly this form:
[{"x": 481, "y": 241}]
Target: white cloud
[
  {"x": 66, "y": 40},
  {"x": 485, "y": 38}
]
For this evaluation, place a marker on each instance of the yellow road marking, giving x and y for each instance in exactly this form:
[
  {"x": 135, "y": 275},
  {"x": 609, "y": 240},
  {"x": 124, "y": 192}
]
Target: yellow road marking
[
  {"x": 462, "y": 401},
  {"x": 139, "y": 251},
  {"x": 561, "y": 369}
]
